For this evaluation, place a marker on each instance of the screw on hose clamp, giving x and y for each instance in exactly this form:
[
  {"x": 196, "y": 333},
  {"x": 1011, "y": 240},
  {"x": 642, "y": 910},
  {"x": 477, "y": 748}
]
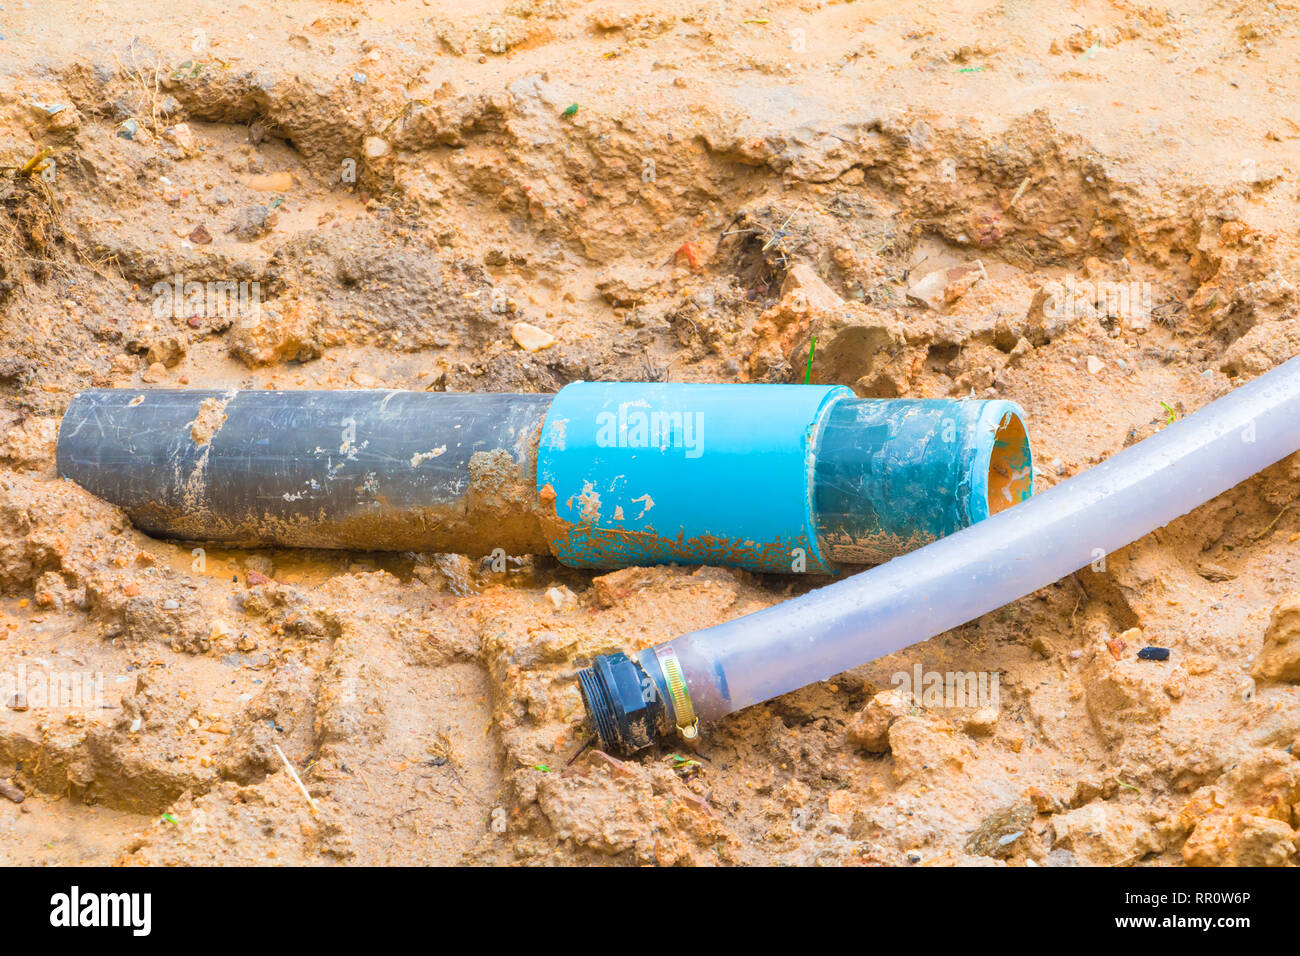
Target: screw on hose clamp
[{"x": 688, "y": 725}]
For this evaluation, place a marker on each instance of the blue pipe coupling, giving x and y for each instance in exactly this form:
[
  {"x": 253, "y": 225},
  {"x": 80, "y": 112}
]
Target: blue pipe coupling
[{"x": 770, "y": 478}]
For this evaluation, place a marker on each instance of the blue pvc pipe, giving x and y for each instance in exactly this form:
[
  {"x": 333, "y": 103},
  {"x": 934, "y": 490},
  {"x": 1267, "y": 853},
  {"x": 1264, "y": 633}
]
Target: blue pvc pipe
[
  {"x": 771, "y": 478},
  {"x": 694, "y": 474}
]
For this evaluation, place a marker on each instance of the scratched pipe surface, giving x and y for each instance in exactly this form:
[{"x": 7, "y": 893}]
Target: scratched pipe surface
[{"x": 373, "y": 469}]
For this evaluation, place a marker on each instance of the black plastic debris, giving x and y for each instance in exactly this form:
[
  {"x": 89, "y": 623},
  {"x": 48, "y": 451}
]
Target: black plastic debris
[{"x": 1153, "y": 654}]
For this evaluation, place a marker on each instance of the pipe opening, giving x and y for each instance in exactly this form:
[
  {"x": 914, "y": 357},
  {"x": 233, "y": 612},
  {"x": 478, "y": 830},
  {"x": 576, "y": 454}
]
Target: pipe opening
[{"x": 1011, "y": 466}]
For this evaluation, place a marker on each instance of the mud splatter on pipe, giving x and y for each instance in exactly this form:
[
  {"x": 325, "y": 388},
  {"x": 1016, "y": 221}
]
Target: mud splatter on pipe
[
  {"x": 635, "y": 701},
  {"x": 771, "y": 478}
]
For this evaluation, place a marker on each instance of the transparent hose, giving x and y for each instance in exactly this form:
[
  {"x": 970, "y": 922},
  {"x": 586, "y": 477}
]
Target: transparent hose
[{"x": 976, "y": 570}]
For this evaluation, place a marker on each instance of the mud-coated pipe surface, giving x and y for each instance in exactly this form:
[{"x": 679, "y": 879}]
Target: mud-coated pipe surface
[
  {"x": 390, "y": 470},
  {"x": 763, "y": 655}
]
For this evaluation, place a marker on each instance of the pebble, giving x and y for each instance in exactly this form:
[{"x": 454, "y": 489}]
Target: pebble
[
  {"x": 251, "y": 223},
  {"x": 10, "y": 792},
  {"x": 170, "y": 605},
  {"x": 271, "y": 182},
  {"x": 200, "y": 236},
  {"x": 375, "y": 147},
  {"x": 156, "y": 372},
  {"x": 530, "y": 338},
  {"x": 1153, "y": 654},
  {"x": 358, "y": 78},
  {"x": 1095, "y": 365},
  {"x": 129, "y": 129},
  {"x": 561, "y": 596},
  {"x": 18, "y": 702},
  {"x": 181, "y": 136}
]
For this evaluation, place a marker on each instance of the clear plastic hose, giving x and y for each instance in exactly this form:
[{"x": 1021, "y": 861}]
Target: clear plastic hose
[{"x": 976, "y": 570}]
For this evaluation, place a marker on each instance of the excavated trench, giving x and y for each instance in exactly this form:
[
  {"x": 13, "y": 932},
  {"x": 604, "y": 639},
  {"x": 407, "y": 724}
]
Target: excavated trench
[{"x": 396, "y": 230}]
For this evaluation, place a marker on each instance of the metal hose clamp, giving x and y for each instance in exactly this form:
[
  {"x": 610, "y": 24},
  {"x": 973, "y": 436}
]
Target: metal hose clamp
[{"x": 688, "y": 725}]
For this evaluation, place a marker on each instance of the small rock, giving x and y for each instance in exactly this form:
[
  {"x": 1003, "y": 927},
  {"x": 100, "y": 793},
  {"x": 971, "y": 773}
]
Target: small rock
[
  {"x": 1107, "y": 833},
  {"x": 813, "y": 295},
  {"x": 200, "y": 236},
  {"x": 998, "y": 831},
  {"x": 168, "y": 349},
  {"x": 170, "y": 605},
  {"x": 561, "y": 597},
  {"x": 182, "y": 137},
  {"x": 1095, "y": 365},
  {"x": 251, "y": 223},
  {"x": 1241, "y": 839},
  {"x": 375, "y": 147},
  {"x": 945, "y": 286},
  {"x": 982, "y": 722},
  {"x": 129, "y": 129},
  {"x": 18, "y": 702},
  {"x": 359, "y": 78},
  {"x": 530, "y": 338},
  {"x": 271, "y": 182},
  {"x": 1214, "y": 572},
  {"x": 1279, "y": 658},
  {"x": 193, "y": 723},
  {"x": 157, "y": 372},
  {"x": 10, "y": 792},
  {"x": 1153, "y": 654},
  {"x": 869, "y": 728}
]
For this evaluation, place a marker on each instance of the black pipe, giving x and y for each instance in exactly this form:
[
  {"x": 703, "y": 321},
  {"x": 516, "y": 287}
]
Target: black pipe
[{"x": 404, "y": 471}]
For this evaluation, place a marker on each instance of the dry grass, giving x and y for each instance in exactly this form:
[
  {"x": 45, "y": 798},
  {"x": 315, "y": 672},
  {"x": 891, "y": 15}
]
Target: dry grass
[{"x": 29, "y": 221}]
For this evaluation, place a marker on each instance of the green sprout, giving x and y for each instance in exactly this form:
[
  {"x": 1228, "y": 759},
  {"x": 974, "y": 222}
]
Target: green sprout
[
  {"x": 1171, "y": 416},
  {"x": 807, "y": 372}
]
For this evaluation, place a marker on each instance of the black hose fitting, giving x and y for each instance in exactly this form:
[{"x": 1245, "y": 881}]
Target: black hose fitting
[{"x": 625, "y": 705}]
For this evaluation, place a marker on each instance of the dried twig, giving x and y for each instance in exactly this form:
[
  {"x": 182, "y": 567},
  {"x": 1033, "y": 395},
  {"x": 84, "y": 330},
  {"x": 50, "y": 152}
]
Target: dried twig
[{"x": 296, "y": 779}]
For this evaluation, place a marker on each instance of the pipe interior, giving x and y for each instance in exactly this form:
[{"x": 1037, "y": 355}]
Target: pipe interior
[{"x": 1011, "y": 474}]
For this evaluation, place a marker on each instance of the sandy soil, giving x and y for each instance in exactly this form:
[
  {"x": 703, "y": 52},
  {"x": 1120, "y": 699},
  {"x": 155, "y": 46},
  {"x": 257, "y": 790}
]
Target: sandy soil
[{"x": 405, "y": 182}]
